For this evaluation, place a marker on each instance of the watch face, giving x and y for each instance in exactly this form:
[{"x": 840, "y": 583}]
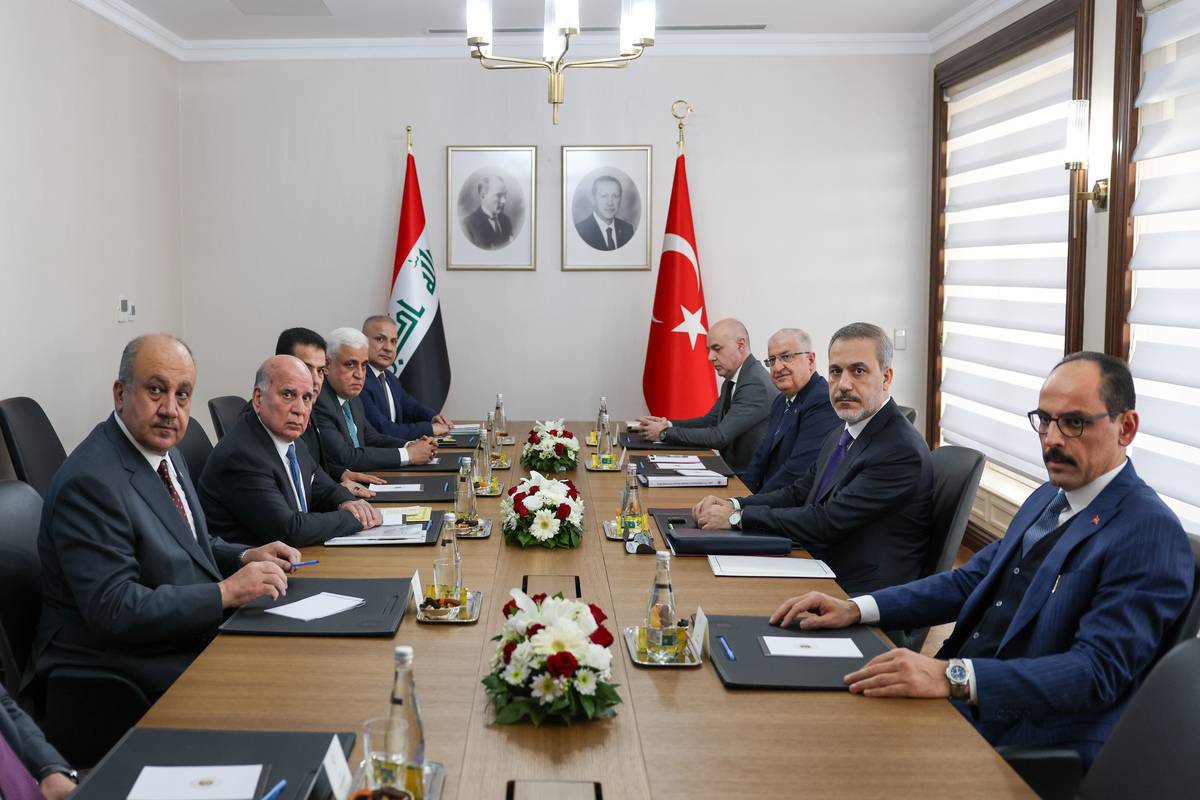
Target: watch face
[{"x": 958, "y": 673}]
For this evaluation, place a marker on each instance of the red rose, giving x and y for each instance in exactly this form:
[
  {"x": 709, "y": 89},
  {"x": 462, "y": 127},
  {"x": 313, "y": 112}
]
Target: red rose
[
  {"x": 508, "y": 651},
  {"x": 562, "y": 664},
  {"x": 534, "y": 438},
  {"x": 573, "y": 493},
  {"x": 509, "y": 609},
  {"x": 532, "y": 489},
  {"x": 602, "y": 637},
  {"x": 522, "y": 511},
  {"x": 532, "y": 630},
  {"x": 512, "y": 491},
  {"x": 540, "y": 598},
  {"x": 597, "y": 614},
  {"x": 563, "y": 512},
  {"x": 553, "y": 432},
  {"x": 559, "y": 449},
  {"x": 568, "y": 435}
]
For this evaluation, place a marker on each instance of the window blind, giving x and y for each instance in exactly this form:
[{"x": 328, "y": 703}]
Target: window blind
[
  {"x": 1004, "y": 313},
  {"x": 1164, "y": 319}
]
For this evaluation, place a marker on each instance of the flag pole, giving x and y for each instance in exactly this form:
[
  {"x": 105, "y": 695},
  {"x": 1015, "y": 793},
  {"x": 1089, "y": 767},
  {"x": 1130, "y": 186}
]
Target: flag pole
[
  {"x": 408, "y": 137},
  {"x": 680, "y": 110}
]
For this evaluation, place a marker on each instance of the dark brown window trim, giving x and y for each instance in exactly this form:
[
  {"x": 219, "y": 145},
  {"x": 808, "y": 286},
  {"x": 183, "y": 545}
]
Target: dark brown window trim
[
  {"x": 1123, "y": 183},
  {"x": 1022, "y": 36}
]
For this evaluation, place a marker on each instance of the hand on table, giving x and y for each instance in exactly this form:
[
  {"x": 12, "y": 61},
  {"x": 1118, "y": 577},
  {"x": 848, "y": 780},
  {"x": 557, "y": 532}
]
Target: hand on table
[
  {"x": 253, "y": 580},
  {"x": 56, "y": 786},
  {"x": 705, "y": 503},
  {"x": 421, "y": 451},
  {"x": 442, "y": 419},
  {"x": 361, "y": 477},
  {"x": 366, "y": 514},
  {"x": 278, "y": 553},
  {"x": 441, "y": 429},
  {"x": 901, "y": 673},
  {"x": 652, "y": 427},
  {"x": 829, "y": 612},
  {"x": 357, "y": 489}
]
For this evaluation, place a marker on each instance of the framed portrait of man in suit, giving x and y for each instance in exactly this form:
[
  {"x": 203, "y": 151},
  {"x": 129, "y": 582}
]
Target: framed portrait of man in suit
[
  {"x": 491, "y": 207},
  {"x": 606, "y": 207}
]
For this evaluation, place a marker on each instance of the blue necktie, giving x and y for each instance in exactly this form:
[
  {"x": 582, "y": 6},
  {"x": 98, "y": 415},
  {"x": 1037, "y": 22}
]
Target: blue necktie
[
  {"x": 788, "y": 405},
  {"x": 294, "y": 467},
  {"x": 835, "y": 461},
  {"x": 350, "y": 426},
  {"x": 1047, "y": 522}
]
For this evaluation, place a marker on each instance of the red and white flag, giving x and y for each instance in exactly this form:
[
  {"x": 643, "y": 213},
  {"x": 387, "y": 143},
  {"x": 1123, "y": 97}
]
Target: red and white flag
[{"x": 679, "y": 382}]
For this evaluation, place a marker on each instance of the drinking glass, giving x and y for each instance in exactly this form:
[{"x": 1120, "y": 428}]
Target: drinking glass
[{"x": 383, "y": 749}]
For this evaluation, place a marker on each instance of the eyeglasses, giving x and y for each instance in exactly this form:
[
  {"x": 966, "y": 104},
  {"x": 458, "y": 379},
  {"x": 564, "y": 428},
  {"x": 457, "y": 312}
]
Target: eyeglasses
[
  {"x": 786, "y": 358},
  {"x": 1071, "y": 425}
]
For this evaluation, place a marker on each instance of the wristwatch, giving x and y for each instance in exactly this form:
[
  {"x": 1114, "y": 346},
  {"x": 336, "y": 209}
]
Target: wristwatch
[
  {"x": 735, "y": 519},
  {"x": 72, "y": 774},
  {"x": 956, "y": 673}
]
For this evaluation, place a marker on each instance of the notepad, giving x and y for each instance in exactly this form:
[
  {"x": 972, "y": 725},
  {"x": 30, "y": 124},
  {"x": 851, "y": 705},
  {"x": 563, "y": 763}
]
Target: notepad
[
  {"x": 809, "y": 646},
  {"x": 384, "y": 534},
  {"x": 318, "y": 606},
  {"x": 406, "y": 514},
  {"x": 466, "y": 428},
  {"x": 197, "y": 783},
  {"x": 768, "y": 567},
  {"x": 387, "y": 488},
  {"x": 675, "y": 461}
]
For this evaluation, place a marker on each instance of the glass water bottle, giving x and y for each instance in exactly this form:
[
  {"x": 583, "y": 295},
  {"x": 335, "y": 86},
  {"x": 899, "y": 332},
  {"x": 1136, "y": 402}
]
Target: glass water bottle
[
  {"x": 633, "y": 514},
  {"x": 662, "y": 632},
  {"x": 501, "y": 418},
  {"x": 464, "y": 497},
  {"x": 405, "y": 706},
  {"x": 601, "y": 427},
  {"x": 604, "y": 447}
]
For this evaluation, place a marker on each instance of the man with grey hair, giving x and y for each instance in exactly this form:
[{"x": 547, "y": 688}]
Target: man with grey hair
[
  {"x": 801, "y": 416},
  {"x": 261, "y": 481},
  {"x": 131, "y": 579},
  {"x": 737, "y": 421},
  {"x": 350, "y": 441},
  {"x": 865, "y": 505},
  {"x": 390, "y": 409},
  {"x": 488, "y": 227}
]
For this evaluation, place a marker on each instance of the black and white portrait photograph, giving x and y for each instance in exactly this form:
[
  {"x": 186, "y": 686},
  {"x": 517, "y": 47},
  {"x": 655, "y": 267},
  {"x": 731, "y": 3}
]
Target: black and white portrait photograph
[
  {"x": 606, "y": 208},
  {"x": 491, "y": 207}
]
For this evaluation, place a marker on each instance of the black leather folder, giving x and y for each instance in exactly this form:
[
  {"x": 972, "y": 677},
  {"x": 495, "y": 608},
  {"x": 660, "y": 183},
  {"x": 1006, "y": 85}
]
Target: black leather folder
[
  {"x": 434, "y": 489},
  {"x": 678, "y": 529},
  {"x": 753, "y": 669},
  {"x": 714, "y": 463},
  {"x": 462, "y": 441},
  {"x": 295, "y": 757},
  {"x": 635, "y": 441},
  {"x": 446, "y": 462},
  {"x": 386, "y": 600}
]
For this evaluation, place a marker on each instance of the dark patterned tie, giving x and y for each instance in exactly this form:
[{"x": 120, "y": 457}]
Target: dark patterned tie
[
  {"x": 835, "y": 461},
  {"x": 727, "y": 399},
  {"x": 294, "y": 468},
  {"x": 165, "y": 474},
  {"x": 1045, "y": 523},
  {"x": 611, "y": 244}
]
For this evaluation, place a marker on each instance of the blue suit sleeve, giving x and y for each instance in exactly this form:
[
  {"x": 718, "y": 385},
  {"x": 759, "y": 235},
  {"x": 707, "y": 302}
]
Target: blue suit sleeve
[
  {"x": 814, "y": 425},
  {"x": 936, "y": 599}
]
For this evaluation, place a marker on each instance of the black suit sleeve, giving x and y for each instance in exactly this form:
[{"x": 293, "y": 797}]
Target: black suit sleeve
[
  {"x": 792, "y": 495},
  {"x": 340, "y": 454},
  {"x": 30, "y": 743}
]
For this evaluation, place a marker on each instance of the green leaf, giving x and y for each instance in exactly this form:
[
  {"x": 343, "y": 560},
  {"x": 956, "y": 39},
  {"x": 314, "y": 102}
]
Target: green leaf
[
  {"x": 537, "y": 713},
  {"x": 589, "y": 705},
  {"x": 513, "y": 712}
]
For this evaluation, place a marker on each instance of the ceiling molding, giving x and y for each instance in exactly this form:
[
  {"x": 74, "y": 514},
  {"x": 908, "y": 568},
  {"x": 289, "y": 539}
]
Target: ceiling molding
[
  {"x": 970, "y": 18},
  {"x": 136, "y": 24}
]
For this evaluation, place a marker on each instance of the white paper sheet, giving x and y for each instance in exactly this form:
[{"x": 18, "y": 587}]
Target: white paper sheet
[
  {"x": 395, "y": 516},
  {"x": 811, "y": 646},
  {"x": 384, "y": 534},
  {"x": 337, "y": 770},
  {"x": 387, "y": 488},
  {"x": 698, "y": 473},
  {"x": 318, "y": 606},
  {"x": 238, "y": 782},
  {"x": 768, "y": 567},
  {"x": 666, "y": 460},
  {"x": 466, "y": 428}
]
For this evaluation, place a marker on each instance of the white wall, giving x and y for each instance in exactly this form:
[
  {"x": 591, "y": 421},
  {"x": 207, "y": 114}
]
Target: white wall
[
  {"x": 809, "y": 179},
  {"x": 89, "y": 204}
]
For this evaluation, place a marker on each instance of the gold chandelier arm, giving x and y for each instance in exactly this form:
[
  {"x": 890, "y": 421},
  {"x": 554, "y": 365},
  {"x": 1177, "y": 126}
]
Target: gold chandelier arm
[
  {"x": 507, "y": 62},
  {"x": 616, "y": 62}
]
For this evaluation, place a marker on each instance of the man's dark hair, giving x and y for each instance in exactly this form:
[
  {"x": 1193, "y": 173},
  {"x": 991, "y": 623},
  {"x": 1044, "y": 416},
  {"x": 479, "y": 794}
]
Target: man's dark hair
[
  {"x": 865, "y": 330},
  {"x": 289, "y": 339},
  {"x": 1116, "y": 382}
]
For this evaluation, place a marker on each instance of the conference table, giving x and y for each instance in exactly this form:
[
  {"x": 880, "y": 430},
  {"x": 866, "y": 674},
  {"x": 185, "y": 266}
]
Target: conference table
[{"x": 679, "y": 733}]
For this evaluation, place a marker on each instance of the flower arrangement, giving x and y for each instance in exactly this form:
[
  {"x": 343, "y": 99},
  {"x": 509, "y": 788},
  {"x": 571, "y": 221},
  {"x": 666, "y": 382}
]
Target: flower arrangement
[
  {"x": 541, "y": 510},
  {"x": 552, "y": 662},
  {"x": 550, "y": 448}
]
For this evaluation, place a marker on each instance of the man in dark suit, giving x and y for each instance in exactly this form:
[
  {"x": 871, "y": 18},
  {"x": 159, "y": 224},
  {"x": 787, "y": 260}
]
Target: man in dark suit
[
  {"x": 1058, "y": 622},
  {"x": 488, "y": 227},
  {"x": 348, "y": 439},
  {"x": 865, "y": 504},
  {"x": 738, "y": 420},
  {"x": 261, "y": 482},
  {"x": 30, "y": 767},
  {"x": 603, "y": 229},
  {"x": 309, "y": 346},
  {"x": 801, "y": 415},
  {"x": 131, "y": 579},
  {"x": 390, "y": 409}
]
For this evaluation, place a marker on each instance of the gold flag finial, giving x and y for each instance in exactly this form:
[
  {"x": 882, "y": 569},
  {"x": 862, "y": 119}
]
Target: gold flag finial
[
  {"x": 680, "y": 110},
  {"x": 408, "y": 137}
]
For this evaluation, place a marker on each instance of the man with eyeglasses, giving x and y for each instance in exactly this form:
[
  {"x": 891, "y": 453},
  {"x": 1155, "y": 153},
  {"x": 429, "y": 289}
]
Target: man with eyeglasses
[
  {"x": 738, "y": 420},
  {"x": 1058, "y": 622},
  {"x": 801, "y": 416}
]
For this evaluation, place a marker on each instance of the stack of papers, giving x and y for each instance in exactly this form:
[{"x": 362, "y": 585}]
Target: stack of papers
[
  {"x": 384, "y": 534},
  {"x": 319, "y": 606},
  {"x": 768, "y": 567},
  {"x": 685, "y": 477},
  {"x": 197, "y": 783},
  {"x": 405, "y": 514},
  {"x": 466, "y": 429},
  {"x": 669, "y": 461},
  {"x": 396, "y": 488}
]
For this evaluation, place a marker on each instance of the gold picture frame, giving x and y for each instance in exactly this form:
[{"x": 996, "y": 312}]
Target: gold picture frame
[
  {"x": 607, "y": 197},
  {"x": 491, "y": 207}
]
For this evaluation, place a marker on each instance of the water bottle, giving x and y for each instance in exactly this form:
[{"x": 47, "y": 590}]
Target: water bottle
[
  {"x": 483, "y": 464},
  {"x": 601, "y": 426},
  {"x": 449, "y": 543},
  {"x": 404, "y": 706},
  {"x": 501, "y": 419},
  {"x": 633, "y": 516},
  {"x": 493, "y": 445},
  {"x": 662, "y": 632},
  {"x": 464, "y": 497},
  {"x": 604, "y": 449}
]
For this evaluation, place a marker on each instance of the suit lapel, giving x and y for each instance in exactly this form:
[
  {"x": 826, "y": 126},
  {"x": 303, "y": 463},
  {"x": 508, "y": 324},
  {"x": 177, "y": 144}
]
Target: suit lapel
[
  {"x": 193, "y": 500},
  {"x": 335, "y": 406},
  {"x": 859, "y": 446}
]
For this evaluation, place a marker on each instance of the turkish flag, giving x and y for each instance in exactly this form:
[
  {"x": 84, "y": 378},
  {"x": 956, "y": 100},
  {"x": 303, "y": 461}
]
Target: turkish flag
[{"x": 679, "y": 382}]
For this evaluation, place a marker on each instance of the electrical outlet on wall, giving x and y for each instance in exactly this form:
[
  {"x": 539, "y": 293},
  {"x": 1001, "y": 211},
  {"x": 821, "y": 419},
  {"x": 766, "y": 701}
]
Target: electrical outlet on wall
[
  {"x": 900, "y": 338},
  {"x": 122, "y": 309}
]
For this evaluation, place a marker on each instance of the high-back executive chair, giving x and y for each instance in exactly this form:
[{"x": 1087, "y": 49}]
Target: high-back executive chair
[
  {"x": 33, "y": 446},
  {"x": 224, "y": 411}
]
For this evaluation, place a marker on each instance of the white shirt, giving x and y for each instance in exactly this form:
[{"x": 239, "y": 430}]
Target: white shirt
[
  {"x": 154, "y": 459},
  {"x": 387, "y": 390},
  {"x": 342, "y": 402},
  {"x": 281, "y": 447},
  {"x": 1077, "y": 500}
]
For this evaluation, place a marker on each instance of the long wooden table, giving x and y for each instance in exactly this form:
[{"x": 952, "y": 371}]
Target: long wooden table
[{"x": 678, "y": 733}]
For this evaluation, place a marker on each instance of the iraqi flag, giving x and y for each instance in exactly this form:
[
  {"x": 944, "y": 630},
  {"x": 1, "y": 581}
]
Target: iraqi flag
[
  {"x": 679, "y": 382},
  {"x": 422, "y": 363}
]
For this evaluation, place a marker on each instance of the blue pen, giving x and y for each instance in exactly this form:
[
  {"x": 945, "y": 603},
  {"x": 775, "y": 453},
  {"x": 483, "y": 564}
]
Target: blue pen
[
  {"x": 728, "y": 650},
  {"x": 276, "y": 790},
  {"x": 446, "y": 486},
  {"x": 305, "y": 563}
]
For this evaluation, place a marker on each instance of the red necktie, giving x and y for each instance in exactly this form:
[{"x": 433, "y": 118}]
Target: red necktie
[{"x": 165, "y": 474}]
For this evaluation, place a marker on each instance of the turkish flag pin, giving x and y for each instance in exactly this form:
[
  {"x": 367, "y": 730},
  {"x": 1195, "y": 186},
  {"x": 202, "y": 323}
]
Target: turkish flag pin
[{"x": 1096, "y": 520}]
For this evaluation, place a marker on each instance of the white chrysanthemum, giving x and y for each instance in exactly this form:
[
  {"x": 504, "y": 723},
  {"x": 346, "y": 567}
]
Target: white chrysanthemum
[
  {"x": 533, "y": 502},
  {"x": 558, "y": 637},
  {"x": 523, "y": 654},
  {"x": 554, "y": 493},
  {"x": 571, "y": 444},
  {"x": 585, "y": 682},
  {"x": 545, "y": 688},
  {"x": 583, "y": 618},
  {"x": 595, "y": 657},
  {"x": 545, "y": 526},
  {"x": 516, "y": 674}
]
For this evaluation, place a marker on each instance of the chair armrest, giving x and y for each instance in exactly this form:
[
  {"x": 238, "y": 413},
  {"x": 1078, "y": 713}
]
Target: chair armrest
[{"x": 1054, "y": 773}]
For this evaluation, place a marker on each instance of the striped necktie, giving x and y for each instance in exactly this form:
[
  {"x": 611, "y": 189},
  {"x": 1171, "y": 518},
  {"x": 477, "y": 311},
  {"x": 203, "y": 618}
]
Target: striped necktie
[
  {"x": 1047, "y": 522},
  {"x": 350, "y": 426},
  {"x": 294, "y": 468}
]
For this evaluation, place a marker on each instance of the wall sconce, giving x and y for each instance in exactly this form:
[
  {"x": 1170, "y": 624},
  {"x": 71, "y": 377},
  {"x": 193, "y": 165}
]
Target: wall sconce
[{"x": 1076, "y": 149}]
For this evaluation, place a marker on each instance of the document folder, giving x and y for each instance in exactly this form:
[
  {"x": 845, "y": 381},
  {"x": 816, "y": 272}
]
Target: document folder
[
  {"x": 752, "y": 669},
  {"x": 446, "y": 462},
  {"x": 635, "y": 441},
  {"x": 434, "y": 489},
  {"x": 678, "y": 529},
  {"x": 295, "y": 757},
  {"x": 386, "y": 600},
  {"x": 462, "y": 441},
  {"x": 372, "y": 537},
  {"x": 714, "y": 463}
]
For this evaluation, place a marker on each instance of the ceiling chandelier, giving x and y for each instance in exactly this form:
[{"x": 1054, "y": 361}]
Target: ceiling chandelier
[{"x": 561, "y": 23}]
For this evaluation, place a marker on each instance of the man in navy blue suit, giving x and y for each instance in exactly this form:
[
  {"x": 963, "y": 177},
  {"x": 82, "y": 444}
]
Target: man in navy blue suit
[
  {"x": 801, "y": 414},
  {"x": 1059, "y": 621},
  {"x": 389, "y": 408}
]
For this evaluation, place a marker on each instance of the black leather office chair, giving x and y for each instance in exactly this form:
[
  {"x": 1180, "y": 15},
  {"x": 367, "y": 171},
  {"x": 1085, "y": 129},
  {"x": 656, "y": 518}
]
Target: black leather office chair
[
  {"x": 224, "y": 412},
  {"x": 956, "y": 474},
  {"x": 20, "y": 578},
  {"x": 195, "y": 448},
  {"x": 1150, "y": 752},
  {"x": 909, "y": 413},
  {"x": 33, "y": 446}
]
